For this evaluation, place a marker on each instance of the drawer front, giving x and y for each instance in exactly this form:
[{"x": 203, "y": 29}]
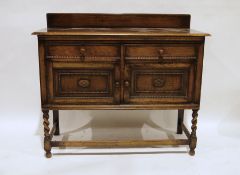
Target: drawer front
[
  {"x": 165, "y": 83},
  {"x": 78, "y": 52},
  {"x": 74, "y": 83},
  {"x": 160, "y": 52}
]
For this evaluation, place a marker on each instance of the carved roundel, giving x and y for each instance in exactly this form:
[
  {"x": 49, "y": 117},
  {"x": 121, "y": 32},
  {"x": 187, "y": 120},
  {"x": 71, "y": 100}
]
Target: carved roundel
[
  {"x": 159, "y": 82},
  {"x": 84, "y": 83}
]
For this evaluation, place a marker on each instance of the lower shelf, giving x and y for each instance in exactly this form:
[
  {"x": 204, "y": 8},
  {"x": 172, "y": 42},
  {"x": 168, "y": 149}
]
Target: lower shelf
[
  {"x": 49, "y": 142},
  {"x": 119, "y": 143}
]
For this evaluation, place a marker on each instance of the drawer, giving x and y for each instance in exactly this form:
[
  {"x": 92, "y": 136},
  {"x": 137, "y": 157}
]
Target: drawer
[
  {"x": 83, "y": 83},
  {"x": 78, "y": 52},
  {"x": 160, "y": 51}
]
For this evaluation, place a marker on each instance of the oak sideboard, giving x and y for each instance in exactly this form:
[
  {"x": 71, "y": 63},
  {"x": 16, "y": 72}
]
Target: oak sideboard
[{"x": 118, "y": 62}]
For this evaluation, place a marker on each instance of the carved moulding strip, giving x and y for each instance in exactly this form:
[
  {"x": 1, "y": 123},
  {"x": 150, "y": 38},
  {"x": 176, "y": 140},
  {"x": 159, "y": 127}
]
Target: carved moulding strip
[
  {"x": 157, "y": 58},
  {"x": 79, "y": 58},
  {"x": 160, "y": 96},
  {"x": 87, "y": 97}
]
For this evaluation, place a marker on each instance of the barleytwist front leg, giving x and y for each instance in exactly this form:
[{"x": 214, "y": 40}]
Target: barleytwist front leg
[
  {"x": 47, "y": 139},
  {"x": 193, "y": 136}
]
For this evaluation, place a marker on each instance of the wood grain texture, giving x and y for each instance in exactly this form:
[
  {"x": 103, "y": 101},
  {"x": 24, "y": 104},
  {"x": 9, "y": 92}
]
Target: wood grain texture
[
  {"x": 119, "y": 143},
  {"x": 120, "y": 32},
  {"x": 78, "y": 20},
  {"x": 176, "y": 86},
  {"x": 163, "y": 50}
]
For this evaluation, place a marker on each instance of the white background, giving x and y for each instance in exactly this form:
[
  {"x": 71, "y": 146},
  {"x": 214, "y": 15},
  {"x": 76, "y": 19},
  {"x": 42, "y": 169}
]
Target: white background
[{"x": 218, "y": 147}]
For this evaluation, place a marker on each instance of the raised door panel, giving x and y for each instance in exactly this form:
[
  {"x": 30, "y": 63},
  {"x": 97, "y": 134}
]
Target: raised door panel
[
  {"x": 159, "y": 83},
  {"x": 76, "y": 83}
]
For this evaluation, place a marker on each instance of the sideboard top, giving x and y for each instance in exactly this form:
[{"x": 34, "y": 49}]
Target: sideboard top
[{"x": 119, "y": 24}]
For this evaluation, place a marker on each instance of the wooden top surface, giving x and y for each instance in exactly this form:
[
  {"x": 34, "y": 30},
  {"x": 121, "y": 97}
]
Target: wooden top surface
[{"x": 120, "y": 32}]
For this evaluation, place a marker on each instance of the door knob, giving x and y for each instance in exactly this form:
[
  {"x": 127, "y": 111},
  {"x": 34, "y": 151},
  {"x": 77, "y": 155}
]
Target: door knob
[
  {"x": 82, "y": 50},
  {"x": 160, "y": 51},
  {"x": 117, "y": 84},
  {"x": 82, "y": 53},
  {"x": 160, "y": 57},
  {"x": 126, "y": 83}
]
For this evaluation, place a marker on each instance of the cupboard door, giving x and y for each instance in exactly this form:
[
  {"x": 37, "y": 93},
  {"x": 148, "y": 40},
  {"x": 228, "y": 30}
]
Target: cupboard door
[
  {"x": 78, "y": 83},
  {"x": 158, "y": 83}
]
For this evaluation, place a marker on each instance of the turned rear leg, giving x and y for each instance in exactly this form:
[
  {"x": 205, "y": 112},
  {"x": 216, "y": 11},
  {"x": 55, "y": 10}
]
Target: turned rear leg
[
  {"x": 180, "y": 121},
  {"x": 56, "y": 121}
]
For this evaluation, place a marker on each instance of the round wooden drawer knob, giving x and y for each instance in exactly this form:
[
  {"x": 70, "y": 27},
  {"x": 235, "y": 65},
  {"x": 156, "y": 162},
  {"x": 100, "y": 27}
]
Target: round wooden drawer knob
[{"x": 126, "y": 83}]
